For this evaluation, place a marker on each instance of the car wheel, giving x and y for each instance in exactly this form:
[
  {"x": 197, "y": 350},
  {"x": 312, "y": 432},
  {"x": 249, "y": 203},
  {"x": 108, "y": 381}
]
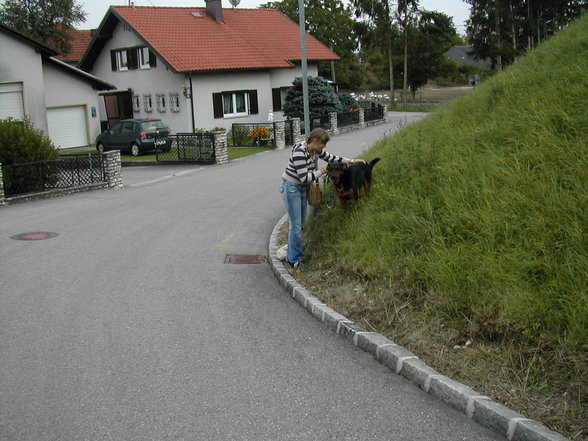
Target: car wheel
[
  {"x": 135, "y": 149},
  {"x": 100, "y": 147}
]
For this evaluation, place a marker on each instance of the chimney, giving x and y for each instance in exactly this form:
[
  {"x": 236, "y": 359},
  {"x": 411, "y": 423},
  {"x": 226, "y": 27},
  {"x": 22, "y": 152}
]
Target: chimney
[{"x": 214, "y": 9}]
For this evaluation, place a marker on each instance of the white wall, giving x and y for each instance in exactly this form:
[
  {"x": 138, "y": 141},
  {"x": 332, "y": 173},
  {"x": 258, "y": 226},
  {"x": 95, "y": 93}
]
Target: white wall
[
  {"x": 284, "y": 78},
  {"x": 143, "y": 81},
  {"x": 20, "y": 62},
  {"x": 205, "y": 84},
  {"x": 162, "y": 79},
  {"x": 65, "y": 89}
]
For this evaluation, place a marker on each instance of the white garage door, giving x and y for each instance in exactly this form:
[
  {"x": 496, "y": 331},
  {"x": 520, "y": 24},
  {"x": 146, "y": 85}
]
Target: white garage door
[
  {"x": 67, "y": 126},
  {"x": 11, "y": 103}
]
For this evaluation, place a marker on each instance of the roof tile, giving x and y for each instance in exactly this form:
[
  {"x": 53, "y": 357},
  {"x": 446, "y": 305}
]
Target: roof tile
[
  {"x": 79, "y": 43},
  {"x": 245, "y": 39}
]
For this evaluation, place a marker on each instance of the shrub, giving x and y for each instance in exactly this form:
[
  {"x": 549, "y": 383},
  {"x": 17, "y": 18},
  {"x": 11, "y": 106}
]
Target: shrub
[
  {"x": 322, "y": 99},
  {"x": 20, "y": 142},
  {"x": 348, "y": 101}
]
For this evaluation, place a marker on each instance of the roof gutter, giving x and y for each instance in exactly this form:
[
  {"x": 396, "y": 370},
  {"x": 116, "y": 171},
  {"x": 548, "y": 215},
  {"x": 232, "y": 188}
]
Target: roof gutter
[
  {"x": 98, "y": 83},
  {"x": 192, "y": 103}
]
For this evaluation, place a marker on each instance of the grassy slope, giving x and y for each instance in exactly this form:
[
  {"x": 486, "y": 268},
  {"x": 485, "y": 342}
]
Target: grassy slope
[{"x": 478, "y": 221}]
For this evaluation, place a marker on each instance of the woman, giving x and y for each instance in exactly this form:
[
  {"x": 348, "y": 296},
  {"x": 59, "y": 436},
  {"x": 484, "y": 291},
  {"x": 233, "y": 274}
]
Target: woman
[{"x": 303, "y": 168}]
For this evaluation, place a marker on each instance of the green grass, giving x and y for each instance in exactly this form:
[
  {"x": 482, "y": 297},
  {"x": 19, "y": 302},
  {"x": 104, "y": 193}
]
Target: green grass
[{"x": 478, "y": 224}]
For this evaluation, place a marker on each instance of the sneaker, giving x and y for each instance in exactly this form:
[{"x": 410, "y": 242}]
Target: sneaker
[{"x": 297, "y": 264}]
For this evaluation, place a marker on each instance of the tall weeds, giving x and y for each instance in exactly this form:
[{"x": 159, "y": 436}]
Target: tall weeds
[{"x": 481, "y": 209}]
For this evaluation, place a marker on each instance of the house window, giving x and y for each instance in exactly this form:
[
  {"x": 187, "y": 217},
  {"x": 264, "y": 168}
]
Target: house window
[
  {"x": 174, "y": 100},
  {"x": 124, "y": 59},
  {"x": 136, "y": 103},
  {"x": 120, "y": 60},
  {"x": 161, "y": 102},
  {"x": 143, "y": 58},
  {"x": 235, "y": 103},
  {"x": 279, "y": 97},
  {"x": 148, "y": 103}
]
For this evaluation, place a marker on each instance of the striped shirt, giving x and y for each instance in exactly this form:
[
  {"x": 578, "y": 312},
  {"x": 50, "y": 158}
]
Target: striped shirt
[{"x": 303, "y": 167}]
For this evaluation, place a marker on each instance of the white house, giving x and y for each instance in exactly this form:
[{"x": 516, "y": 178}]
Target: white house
[
  {"x": 60, "y": 100},
  {"x": 198, "y": 68}
]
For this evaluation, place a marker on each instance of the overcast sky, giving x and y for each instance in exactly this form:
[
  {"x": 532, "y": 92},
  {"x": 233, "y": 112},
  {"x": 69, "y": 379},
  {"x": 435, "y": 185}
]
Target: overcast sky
[{"x": 96, "y": 9}]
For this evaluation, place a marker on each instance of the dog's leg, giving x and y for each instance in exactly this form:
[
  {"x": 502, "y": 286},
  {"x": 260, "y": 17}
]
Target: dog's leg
[
  {"x": 367, "y": 184},
  {"x": 356, "y": 197}
]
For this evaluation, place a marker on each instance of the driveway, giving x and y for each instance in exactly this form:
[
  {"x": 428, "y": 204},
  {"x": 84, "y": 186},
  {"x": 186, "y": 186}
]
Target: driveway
[{"x": 128, "y": 325}]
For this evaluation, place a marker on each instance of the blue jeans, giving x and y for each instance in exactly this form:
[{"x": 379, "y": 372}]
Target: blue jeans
[{"x": 294, "y": 196}]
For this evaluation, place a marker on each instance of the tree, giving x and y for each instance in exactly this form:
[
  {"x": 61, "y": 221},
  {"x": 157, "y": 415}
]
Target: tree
[
  {"x": 405, "y": 15},
  {"x": 332, "y": 23},
  {"x": 379, "y": 15},
  {"x": 431, "y": 37},
  {"x": 502, "y": 30},
  {"x": 322, "y": 99},
  {"x": 45, "y": 20}
]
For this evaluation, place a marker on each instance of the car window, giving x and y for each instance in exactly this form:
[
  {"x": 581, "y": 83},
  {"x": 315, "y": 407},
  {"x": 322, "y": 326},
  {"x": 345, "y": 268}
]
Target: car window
[
  {"x": 128, "y": 127},
  {"x": 116, "y": 128},
  {"x": 153, "y": 125}
]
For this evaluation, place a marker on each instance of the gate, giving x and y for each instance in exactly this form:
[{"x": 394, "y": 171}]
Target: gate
[{"x": 188, "y": 147}]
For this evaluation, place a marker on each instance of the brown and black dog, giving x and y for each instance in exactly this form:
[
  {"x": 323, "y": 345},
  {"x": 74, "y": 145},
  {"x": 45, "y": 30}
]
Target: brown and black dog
[{"x": 349, "y": 179}]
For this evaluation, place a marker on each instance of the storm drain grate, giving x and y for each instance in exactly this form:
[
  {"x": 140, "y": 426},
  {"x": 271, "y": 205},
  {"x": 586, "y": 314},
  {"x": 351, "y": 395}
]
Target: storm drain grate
[
  {"x": 245, "y": 258},
  {"x": 38, "y": 235}
]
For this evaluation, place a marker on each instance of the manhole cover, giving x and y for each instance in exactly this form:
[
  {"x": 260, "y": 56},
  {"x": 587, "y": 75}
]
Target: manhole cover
[
  {"x": 39, "y": 235},
  {"x": 245, "y": 258}
]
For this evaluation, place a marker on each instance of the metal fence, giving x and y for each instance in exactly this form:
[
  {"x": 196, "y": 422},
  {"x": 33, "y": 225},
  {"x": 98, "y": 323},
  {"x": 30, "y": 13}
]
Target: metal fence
[
  {"x": 253, "y": 135},
  {"x": 323, "y": 122},
  {"x": 289, "y": 132},
  {"x": 65, "y": 172},
  {"x": 373, "y": 113},
  {"x": 188, "y": 147},
  {"x": 348, "y": 118}
]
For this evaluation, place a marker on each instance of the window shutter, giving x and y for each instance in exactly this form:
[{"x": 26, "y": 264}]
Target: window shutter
[
  {"x": 152, "y": 59},
  {"x": 253, "y": 106},
  {"x": 276, "y": 99},
  {"x": 217, "y": 103},
  {"x": 132, "y": 57},
  {"x": 113, "y": 59}
]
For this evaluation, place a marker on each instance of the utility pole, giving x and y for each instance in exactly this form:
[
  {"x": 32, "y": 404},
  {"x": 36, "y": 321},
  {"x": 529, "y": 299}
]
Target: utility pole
[{"x": 304, "y": 68}]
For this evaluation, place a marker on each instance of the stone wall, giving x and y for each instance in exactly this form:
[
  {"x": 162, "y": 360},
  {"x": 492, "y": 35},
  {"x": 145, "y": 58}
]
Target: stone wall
[{"x": 221, "y": 150}]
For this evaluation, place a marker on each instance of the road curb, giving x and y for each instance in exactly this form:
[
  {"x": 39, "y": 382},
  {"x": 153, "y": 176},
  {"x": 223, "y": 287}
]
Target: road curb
[{"x": 512, "y": 425}]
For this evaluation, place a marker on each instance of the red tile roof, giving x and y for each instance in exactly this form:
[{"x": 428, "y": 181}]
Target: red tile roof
[
  {"x": 190, "y": 40},
  {"x": 79, "y": 43}
]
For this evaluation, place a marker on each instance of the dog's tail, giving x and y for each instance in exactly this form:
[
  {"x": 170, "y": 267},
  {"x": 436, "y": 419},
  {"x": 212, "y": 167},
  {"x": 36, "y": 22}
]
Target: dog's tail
[{"x": 373, "y": 162}]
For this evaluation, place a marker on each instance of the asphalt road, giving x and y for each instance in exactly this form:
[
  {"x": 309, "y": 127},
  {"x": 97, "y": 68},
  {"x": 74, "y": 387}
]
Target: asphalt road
[{"x": 128, "y": 325}]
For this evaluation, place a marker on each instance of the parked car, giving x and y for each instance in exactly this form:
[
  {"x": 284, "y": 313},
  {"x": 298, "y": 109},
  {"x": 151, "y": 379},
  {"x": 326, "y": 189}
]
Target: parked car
[{"x": 136, "y": 136}]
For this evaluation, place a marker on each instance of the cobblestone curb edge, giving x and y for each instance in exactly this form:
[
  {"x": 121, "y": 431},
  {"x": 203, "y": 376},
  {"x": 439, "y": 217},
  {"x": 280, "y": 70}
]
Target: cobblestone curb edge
[{"x": 512, "y": 425}]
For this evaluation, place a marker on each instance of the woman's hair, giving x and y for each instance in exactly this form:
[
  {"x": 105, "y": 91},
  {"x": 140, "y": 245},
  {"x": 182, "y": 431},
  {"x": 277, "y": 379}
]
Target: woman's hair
[{"x": 319, "y": 134}]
